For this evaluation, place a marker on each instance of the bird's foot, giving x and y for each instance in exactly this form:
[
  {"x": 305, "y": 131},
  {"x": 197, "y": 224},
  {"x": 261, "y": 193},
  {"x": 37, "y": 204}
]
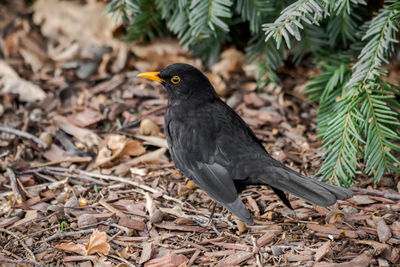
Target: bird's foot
[{"x": 200, "y": 220}]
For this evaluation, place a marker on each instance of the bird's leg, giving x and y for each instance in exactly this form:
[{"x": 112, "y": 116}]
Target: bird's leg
[
  {"x": 212, "y": 213},
  {"x": 200, "y": 221}
]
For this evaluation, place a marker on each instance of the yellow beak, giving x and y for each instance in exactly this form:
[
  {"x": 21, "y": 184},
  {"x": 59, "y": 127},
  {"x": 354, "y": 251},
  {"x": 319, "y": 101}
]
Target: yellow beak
[{"x": 150, "y": 76}]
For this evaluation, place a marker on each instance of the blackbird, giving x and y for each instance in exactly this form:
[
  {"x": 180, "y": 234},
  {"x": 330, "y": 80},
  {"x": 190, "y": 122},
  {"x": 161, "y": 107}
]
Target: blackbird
[{"x": 212, "y": 145}]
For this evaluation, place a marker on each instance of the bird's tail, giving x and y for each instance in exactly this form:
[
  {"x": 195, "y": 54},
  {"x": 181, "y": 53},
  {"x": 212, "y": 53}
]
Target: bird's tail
[{"x": 312, "y": 190}]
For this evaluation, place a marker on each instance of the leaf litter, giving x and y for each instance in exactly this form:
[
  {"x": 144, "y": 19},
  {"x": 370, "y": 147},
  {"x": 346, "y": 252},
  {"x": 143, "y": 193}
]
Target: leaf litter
[{"x": 103, "y": 191}]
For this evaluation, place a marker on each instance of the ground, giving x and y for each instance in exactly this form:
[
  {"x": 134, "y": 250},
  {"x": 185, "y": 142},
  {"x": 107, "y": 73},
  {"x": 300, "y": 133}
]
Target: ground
[{"x": 86, "y": 178}]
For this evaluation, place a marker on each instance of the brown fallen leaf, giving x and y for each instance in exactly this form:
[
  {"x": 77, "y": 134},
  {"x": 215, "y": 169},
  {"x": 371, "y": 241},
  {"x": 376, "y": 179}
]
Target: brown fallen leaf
[
  {"x": 231, "y": 61},
  {"x": 98, "y": 243},
  {"x": 169, "y": 260},
  {"x": 72, "y": 247},
  {"x": 85, "y": 118},
  {"x": 322, "y": 251},
  {"x": 118, "y": 146},
  {"x": 10, "y": 82},
  {"x": 334, "y": 216},
  {"x": 218, "y": 83},
  {"x": 62, "y": 18},
  {"x": 190, "y": 184},
  {"x": 148, "y": 127},
  {"x": 241, "y": 226}
]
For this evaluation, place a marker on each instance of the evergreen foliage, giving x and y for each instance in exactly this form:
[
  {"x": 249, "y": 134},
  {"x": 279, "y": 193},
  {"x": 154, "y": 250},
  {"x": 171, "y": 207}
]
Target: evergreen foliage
[{"x": 350, "y": 41}]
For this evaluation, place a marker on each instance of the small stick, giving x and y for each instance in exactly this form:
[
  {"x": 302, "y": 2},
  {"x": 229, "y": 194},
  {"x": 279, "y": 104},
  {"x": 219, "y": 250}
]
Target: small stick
[
  {"x": 23, "y": 134},
  {"x": 14, "y": 186},
  {"x": 64, "y": 234}
]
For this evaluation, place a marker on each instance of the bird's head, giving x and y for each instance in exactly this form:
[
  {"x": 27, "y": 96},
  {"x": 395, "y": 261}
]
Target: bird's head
[{"x": 182, "y": 81}]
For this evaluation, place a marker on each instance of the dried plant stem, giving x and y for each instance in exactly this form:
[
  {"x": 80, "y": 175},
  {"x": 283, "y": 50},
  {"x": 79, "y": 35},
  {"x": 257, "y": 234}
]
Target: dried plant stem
[
  {"x": 23, "y": 134},
  {"x": 14, "y": 186}
]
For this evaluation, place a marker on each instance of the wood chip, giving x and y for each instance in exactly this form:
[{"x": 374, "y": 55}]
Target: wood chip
[
  {"x": 236, "y": 258},
  {"x": 132, "y": 223},
  {"x": 194, "y": 257},
  {"x": 383, "y": 230},
  {"x": 146, "y": 252},
  {"x": 322, "y": 251},
  {"x": 266, "y": 239}
]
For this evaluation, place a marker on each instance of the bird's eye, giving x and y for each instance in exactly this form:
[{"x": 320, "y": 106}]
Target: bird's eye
[{"x": 175, "y": 79}]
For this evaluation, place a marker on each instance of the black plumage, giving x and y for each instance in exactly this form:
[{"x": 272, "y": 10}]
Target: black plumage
[{"x": 216, "y": 149}]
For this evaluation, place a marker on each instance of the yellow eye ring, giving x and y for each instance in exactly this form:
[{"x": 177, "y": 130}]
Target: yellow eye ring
[{"x": 175, "y": 79}]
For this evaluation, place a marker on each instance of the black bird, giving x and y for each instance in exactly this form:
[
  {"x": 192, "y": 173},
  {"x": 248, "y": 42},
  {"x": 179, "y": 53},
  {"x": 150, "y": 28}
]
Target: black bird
[{"x": 212, "y": 145}]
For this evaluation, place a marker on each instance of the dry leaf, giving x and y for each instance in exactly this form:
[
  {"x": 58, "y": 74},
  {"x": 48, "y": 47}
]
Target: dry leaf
[
  {"x": 241, "y": 226},
  {"x": 218, "y": 83},
  {"x": 334, "y": 216},
  {"x": 10, "y": 82},
  {"x": 72, "y": 247},
  {"x": 118, "y": 146},
  {"x": 98, "y": 243},
  {"x": 148, "y": 127},
  {"x": 85, "y": 118},
  {"x": 231, "y": 61},
  {"x": 190, "y": 184},
  {"x": 170, "y": 260},
  {"x": 61, "y": 19},
  {"x": 31, "y": 59}
]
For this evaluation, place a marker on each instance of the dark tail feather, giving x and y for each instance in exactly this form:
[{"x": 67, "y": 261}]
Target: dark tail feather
[
  {"x": 317, "y": 192},
  {"x": 282, "y": 196}
]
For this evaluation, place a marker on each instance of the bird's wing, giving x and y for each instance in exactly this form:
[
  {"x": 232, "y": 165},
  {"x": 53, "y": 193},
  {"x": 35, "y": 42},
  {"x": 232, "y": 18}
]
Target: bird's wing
[{"x": 193, "y": 147}]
